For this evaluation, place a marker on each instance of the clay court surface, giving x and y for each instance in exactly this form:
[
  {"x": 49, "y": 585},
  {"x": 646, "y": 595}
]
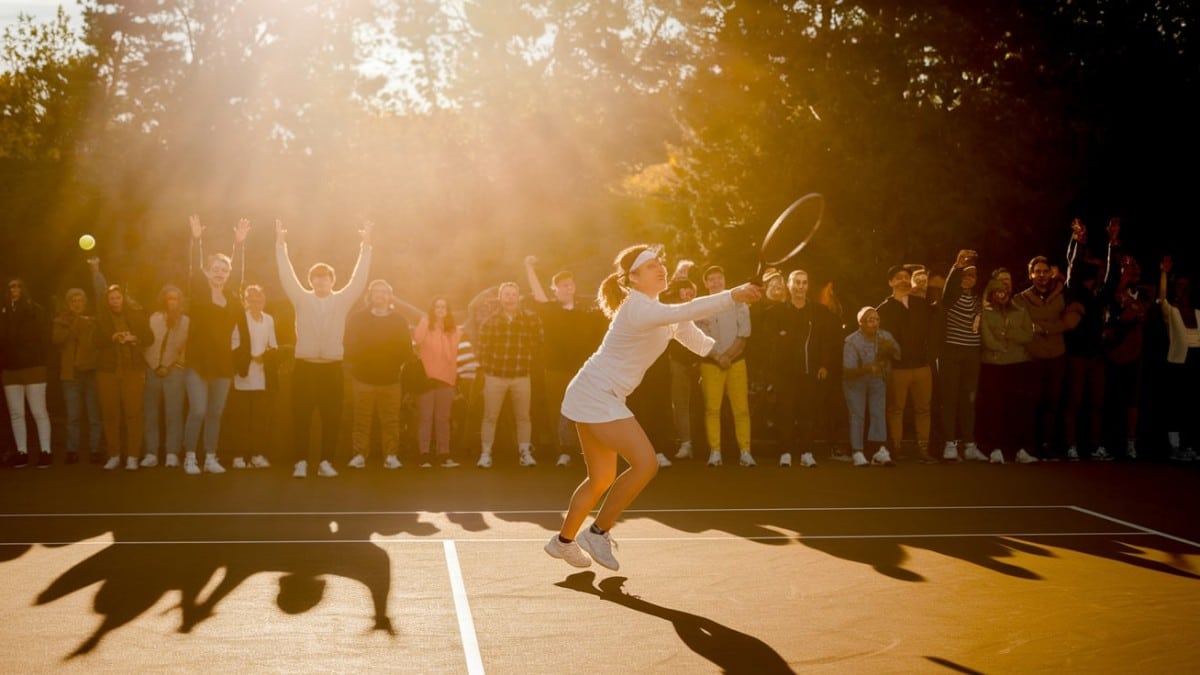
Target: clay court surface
[{"x": 914, "y": 569}]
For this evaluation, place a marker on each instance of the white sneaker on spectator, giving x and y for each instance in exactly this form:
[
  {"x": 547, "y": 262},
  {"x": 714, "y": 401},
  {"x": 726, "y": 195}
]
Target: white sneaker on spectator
[
  {"x": 238, "y": 463},
  {"x": 785, "y": 459},
  {"x": 300, "y": 470},
  {"x": 172, "y": 460},
  {"x": 485, "y": 460},
  {"x": 1072, "y": 454},
  {"x": 569, "y": 551},
  {"x": 211, "y": 465},
  {"x": 714, "y": 458},
  {"x": 950, "y": 452},
  {"x": 1025, "y": 458},
  {"x": 1101, "y": 455},
  {"x": 685, "y": 450},
  {"x": 527, "y": 458},
  {"x": 882, "y": 457},
  {"x": 326, "y": 470},
  {"x": 807, "y": 461},
  {"x": 391, "y": 462},
  {"x": 997, "y": 457},
  {"x": 112, "y": 463},
  {"x": 425, "y": 464},
  {"x": 859, "y": 459},
  {"x": 600, "y": 547},
  {"x": 449, "y": 464},
  {"x": 150, "y": 461},
  {"x": 563, "y": 460},
  {"x": 973, "y": 454},
  {"x": 357, "y": 462},
  {"x": 131, "y": 464},
  {"x": 662, "y": 460},
  {"x": 259, "y": 462},
  {"x": 746, "y": 459},
  {"x": 190, "y": 466}
]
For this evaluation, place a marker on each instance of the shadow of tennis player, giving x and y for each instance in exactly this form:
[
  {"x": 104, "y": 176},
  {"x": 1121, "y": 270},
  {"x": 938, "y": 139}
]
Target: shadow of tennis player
[{"x": 731, "y": 650}]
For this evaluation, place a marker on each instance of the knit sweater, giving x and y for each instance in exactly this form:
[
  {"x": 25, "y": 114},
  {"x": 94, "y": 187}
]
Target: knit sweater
[{"x": 321, "y": 322}]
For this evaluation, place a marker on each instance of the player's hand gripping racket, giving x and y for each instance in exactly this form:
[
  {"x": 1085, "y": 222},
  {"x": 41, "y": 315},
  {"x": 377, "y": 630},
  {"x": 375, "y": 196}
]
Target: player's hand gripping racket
[{"x": 790, "y": 233}]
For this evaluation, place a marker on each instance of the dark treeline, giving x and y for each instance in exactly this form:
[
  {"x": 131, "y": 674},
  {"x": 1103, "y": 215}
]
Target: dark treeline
[{"x": 474, "y": 133}]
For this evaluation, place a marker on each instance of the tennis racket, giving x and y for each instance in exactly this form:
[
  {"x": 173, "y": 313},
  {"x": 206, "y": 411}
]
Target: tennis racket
[{"x": 790, "y": 233}]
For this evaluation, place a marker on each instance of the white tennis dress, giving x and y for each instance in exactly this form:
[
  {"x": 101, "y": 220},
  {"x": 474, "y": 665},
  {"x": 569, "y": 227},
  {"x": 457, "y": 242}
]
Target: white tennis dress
[{"x": 638, "y": 334}]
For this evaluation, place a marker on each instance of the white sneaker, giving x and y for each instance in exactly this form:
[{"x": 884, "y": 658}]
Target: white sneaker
[
  {"x": 112, "y": 463},
  {"x": 662, "y": 460},
  {"x": 325, "y": 469},
  {"x": 600, "y": 547},
  {"x": 882, "y": 457},
  {"x": 859, "y": 459},
  {"x": 527, "y": 458},
  {"x": 569, "y": 551},
  {"x": 356, "y": 462},
  {"x": 485, "y": 460},
  {"x": 1101, "y": 455},
  {"x": 259, "y": 462},
  {"x": 238, "y": 463},
  {"x": 1025, "y": 458},
  {"x": 563, "y": 460},
  {"x": 785, "y": 459},
  {"x": 714, "y": 458},
  {"x": 190, "y": 466},
  {"x": 425, "y": 465},
  {"x": 450, "y": 464},
  {"x": 131, "y": 464},
  {"x": 211, "y": 465},
  {"x": 807, "y": 461},
  {"x": 972, "y": 453},
  {"x": 300, "y": 470},
  {"x": 685, "y": 450},
  {"x": 172, "y": 460},
  {"x": 391, "y": 462},
  {"x": 950, "y": 452},
  {"x": 150, "y": 461},
  {"x": 746, "y": 459},
  {"x": 997, "y": 457}
]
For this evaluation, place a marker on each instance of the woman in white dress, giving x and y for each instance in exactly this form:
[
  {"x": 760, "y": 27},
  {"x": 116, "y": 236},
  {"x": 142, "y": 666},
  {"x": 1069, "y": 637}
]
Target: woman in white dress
[{"x": 639, "y": 332}]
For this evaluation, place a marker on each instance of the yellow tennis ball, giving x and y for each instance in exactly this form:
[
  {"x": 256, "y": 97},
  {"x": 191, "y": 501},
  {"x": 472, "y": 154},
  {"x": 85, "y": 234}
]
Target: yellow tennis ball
[{"x": 87, "y": 242}]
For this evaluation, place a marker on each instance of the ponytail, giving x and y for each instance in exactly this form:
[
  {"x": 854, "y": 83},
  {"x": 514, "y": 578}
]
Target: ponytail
[{"x": 611, "y": 294}]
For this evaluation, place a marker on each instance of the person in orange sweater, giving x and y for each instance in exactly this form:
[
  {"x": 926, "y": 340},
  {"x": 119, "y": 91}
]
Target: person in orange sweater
[{"x": 437, "y": 337}]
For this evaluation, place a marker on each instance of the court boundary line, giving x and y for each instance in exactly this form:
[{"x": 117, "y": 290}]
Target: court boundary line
[
  {"x": 1157, "y": 533},
  {"x": 462, "y": 610}
]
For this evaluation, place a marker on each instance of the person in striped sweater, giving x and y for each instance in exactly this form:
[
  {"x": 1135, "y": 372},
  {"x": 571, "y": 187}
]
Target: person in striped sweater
[{"x": 958, "y": 360}]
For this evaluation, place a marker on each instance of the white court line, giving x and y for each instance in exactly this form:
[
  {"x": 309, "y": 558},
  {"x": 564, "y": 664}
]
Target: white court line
[
  {"x": 466, "y": 625},
  {"x": 1097, "y": 514}
]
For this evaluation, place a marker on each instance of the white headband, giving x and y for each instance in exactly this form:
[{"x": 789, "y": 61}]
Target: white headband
[{"x": 643, "y": 258}]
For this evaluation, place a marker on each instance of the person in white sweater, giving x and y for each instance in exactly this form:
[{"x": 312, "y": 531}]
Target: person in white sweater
[
  {"x": 639, "y": 332},
  {"x": 320, "y": 326}
]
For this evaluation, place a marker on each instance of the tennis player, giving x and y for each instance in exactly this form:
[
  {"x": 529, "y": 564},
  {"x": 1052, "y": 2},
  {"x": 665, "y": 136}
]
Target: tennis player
[{"x": 638, "y": 334}]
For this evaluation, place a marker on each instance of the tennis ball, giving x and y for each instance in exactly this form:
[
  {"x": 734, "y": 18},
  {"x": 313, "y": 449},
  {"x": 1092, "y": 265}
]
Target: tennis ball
[{"x": 87, "y": 242}]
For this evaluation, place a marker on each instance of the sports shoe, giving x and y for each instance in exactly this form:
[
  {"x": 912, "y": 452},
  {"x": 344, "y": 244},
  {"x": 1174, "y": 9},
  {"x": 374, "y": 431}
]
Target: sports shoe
[
  {"x": 45, "y": 460},
  {"x": 1025, "y": 458},
  {"x": 1101, "y": 455},
  {"x": 326, "y": 470},
  {"x": 450, "y": 464},
  {"x": 950, "y": 452},
  {"x": 1185, "y": 455},
  {"x": 714, "y": 458},
  {"x": 882, "y": 457},
  {"x": 485, "y": 460},
  {"x": 172, "y": 460},
  {"x": 356, "y": 462},
  {"x": 1072, "y": 454},
  {"x": 563, "y": 460},
  {"x": 21, "y": 460},
  {"x": 807, "y": 461},
  {"x": 685, "y": 450},
  {"x": 840, "y": 456},
  {"x": 300, "y": 470},
  {"x": 600, "y": 547},
  {"x": 924, "y": 457},
  {"x": 426, "y": 464},
  {"x": 112, "y": 463},
  {"x": 569, "y": 551},
  {"x": 391, "y": 462},
  {"x": 259, "y": 462},
  {"x": 663, "y": 462},
  {"x": 859, "y": 459},
  {"x": 211, "y": 465},
  {"x": 1131, "y": 451},
  {"x": 150, "y": 461},
  {"x": 190, "y": 467},
  {"x": 527, "y": 458},
  {"x": 131, "y": 464},
  {"x": 973, "y": 454},
  {"x": 746, "y": 459},
  {"x": 785, "y": 459},
  {"x": 239, "y": 463},
  {"x": 997, "y": 457}
]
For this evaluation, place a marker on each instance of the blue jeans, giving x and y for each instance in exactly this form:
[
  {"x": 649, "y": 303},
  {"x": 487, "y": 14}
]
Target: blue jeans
[
  {"x": 206, "y": 403},
  {"x": 170, "y": 390},
  {"x": 80, "y": 394},
  {"x": 863, "y": 394}
]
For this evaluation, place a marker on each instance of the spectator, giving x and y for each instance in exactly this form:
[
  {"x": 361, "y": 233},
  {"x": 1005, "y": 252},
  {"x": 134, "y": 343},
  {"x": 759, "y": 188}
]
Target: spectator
[
  {"x": 437, "y": 340},
  {"x": 867, "y": 355},
  {"x": 1183, "y": 362},
  {"x": 378, "y": 345},
  {"x": 121, "y": 334},
  {"x": 72, "y": 333},
  {"x": 908, "y": 319},
  {"x": 1005, "y": 401},
  {"x": 723, "y": 373},
  {"x": 165, "y": 378},
  {"x": 1124, "y": 342},
  {"x": 24, "y": 338},
  {"x": 958, "y": 371},
  {"x": 254, "y": 383},
  {"x": 508, "y": 342},
  {"x": 685, "y": 374}
]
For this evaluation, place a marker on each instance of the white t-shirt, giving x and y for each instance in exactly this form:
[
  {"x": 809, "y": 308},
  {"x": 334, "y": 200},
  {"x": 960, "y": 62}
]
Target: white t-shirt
[{"x": 262, "y": 337}]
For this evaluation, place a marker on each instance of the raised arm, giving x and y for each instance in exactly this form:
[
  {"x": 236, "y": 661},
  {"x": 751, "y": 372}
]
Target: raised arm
[
  {"x": 99, "y": 282},
  {"x": 238, "y": 255},
  {"x": 658, "y": 314},
  {"x": 535, "y": 285},
  {"x": 1164, "y": 270},
  {"x": 287, "y": 274},
  {"x": 362, "y": 267}
]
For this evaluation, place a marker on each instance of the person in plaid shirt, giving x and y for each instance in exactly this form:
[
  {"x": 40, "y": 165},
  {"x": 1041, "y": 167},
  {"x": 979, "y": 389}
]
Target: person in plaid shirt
[{"x": 508, "y": 341}]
